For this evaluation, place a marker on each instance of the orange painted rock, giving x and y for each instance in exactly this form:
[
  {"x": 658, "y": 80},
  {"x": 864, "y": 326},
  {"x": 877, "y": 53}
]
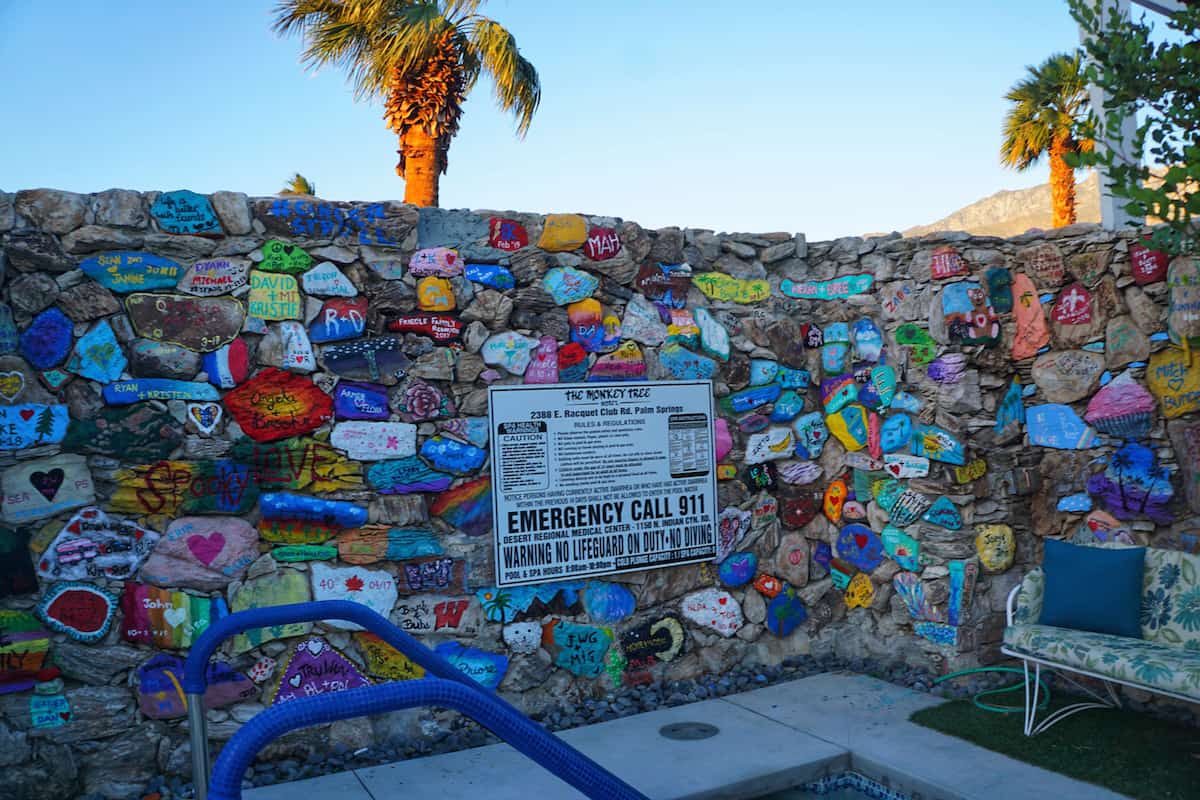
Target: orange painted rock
[
  {"x": 1032, "y": 334},
  {"x": 835, "y": 497},
  {"x": 275, "y": 404}
]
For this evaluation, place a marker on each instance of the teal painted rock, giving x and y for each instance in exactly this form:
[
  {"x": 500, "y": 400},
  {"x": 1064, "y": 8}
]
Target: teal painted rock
[
  {"x": 902, "y": 548},
  {"x": 763, "y": 371},
  {"x": 98, "y": 356},
  {"x": 883, "y": 379},
  {"x": 569, "y": 285},
  {"x": 811, "y": 435},
  {"x": 684, "y": 364},
  {"x": 903, "y": 401},
  {"x": 738, "y": 569},
  {"x": 185, "y": 213},
  {"x": 787, "y": 407},
  {"x": 895, "y": 433},
  {"x": 790, "y": 378},
  {"x": 887, "y": 492},
  {"x": 837, "y": 392},
  {"x": 937, "y": 444},
  {"x": 714, "y": 339},
  {"x": 944, "y": 514}
]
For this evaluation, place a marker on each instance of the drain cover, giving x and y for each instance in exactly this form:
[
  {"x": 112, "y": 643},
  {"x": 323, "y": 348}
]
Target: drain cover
[{"x": 688, "y": 731}]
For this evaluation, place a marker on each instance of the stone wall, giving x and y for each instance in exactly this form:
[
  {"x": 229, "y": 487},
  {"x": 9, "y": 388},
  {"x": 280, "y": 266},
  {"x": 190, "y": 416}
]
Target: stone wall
[{"x": 180, "y": 372}]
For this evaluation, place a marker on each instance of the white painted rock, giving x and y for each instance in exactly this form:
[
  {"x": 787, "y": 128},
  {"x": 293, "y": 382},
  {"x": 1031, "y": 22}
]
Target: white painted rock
[
  {"x": 771, "y": 445},
  {"x": 523, "y": 637},
  {"x": 714, "y": 609},
  {"x": 642, "y": 323},
  {"x": 510, "y": 350},
  {"x": 375, "y": 441},
  {"x": 297, "y": 349},
  {"x": 374, "y": 589},
  {"x": 326, "y": 280}
]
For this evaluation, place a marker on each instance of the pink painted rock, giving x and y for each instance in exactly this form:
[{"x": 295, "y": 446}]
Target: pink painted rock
[
  {"x": 202, "y": 553},
  {"x": 724, "y": 437},
  {"x": 543, "y": 364},
  {"x": 1032, "y": 334},
  {"x": 1122, "y": 408},
  {"x": 440, "y": 261},
  {"x": 791, "y": 559}
]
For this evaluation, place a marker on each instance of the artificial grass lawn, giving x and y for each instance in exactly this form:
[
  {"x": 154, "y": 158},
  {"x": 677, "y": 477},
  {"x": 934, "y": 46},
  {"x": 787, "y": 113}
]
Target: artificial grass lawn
[{"x": 1130, "y": 753}]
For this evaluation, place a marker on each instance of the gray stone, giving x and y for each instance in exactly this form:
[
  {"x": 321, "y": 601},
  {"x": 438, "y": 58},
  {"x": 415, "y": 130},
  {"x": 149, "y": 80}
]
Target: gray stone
[
  {"x": 236, "y": 246},
  {"x": 120, "y": 207},
  {"x": 399, "y": 509},
  {"x": 1147, "y": 315},
  {"x": 92, "y": 664},
  {"x": 1124, "y": 342},
  {"x": 738, "y": 249},
  {"x": 8, "y": 214},
  {"x": 778, "y": 252},
  {"x": 334, "y": 253},
  {"x": 87, "y": 301},
  {"x": 52, "y": 210},
  {"x": 462, "y": 230},
  {"x": 53, "y": 774},
  {"x": 526, "y": 672},
  {"x": 1067, "y": 375},
  {"x": 754, "y": 607},
  {"x": 14, "y": 747},
  {"x": 179, "y": 248},
  {"x": 120, "y": 767},
  {"x": 436, "y": 365},
  {"x": 150, "y": 359},
  {"x": 93, "y": 238},
  {"x": 30, "y": 251},
  {"x": 32, "y": 292},
  {"x": 491, "y": 308},
  {"x": 233, "y": 210},
  {"x": 668, "y": 246},
  {"x": 83, "y": 399}
]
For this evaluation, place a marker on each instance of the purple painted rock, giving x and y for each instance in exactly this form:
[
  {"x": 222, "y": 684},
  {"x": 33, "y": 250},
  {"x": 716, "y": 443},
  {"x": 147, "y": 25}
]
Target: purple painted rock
[
  {"x": 160, "y": 687},
  {"x": 202, "y": 553},
  {"x": 738, "y": 569},
  {"x": 543, "y": 363},
  {"x": 407, "y": 476},
  {"x": 47, "y": 340},
  {"x": 197, "y": 323},
  {"x": 360, "y": 401},
  {"x": 1135, "y": 485},
  {"x": 339, "y": 319},
  {"x": 1123, "y": 408},
  {"x": 316, "y": 668},
  {"x": 947, "y": 368}
]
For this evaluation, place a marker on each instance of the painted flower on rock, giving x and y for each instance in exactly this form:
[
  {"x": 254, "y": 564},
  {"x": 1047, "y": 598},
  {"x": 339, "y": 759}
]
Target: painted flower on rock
[{"x": 1156, "y": 609}]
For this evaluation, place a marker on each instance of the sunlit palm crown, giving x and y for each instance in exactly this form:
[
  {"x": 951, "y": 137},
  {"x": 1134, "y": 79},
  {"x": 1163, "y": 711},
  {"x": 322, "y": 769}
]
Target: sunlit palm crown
[{"x": 1045, "y": 106}]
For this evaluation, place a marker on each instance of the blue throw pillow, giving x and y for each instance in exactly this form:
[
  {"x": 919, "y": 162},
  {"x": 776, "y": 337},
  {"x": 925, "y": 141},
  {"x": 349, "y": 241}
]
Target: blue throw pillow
[{"x": 1093, "y": 588}]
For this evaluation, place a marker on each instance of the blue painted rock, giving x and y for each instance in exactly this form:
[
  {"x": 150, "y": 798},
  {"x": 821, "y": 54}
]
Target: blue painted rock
[
  {"x": 903, "y": 401},
  {"x": 999, "y": 283},
  {"x": 738, "y": 569},
  {"x": 714, "y": 339},
  {"x": 186, "y": 213},
  {"x": 132, "y": 272},
  {"x": 123, "y": 393},
  {"x": 763, "y": 371},
  {"x": 836, "y": 289},
  {"x": 452, "y": 456},
  {"x": 1135, "y": 485},
  {"x": 868, "y": 340},
  {"x": 31, "y": 425},
  {"x": 837, "y": 392},
  {"x": 969, "y": 318},
  {"x": 47, "y": 340},
  {"x": 1058, "y": 426},
  {"x": 1010, "y": 415},
  {"x": 785, "y": 613},
  {"x": 895, "y": 433},
  {"x": 608, "y": 602},
  {"x": 377, "y": 359},
  {"x": 407, "y": 476},
  {"x": 753, "y": 423},
  {"x": 586, "y": 324},
  {"x": 811, "y": 435},
  {"x": 860, "y": 546},
  {"x": 364, "y": 401},
  {"x": 8, "y": 330},
  {"x": 569, "y": 285},
  {"x": 902, "y": 548},
  {"x": 937, "y": 444},
  {"x": 486, "y": 669},
  {"x": 466, "y": 429},
  {"x": 490, "y": 275},
  {"x": 944, "y": 514},
  {"x": 849, "y": 426},
  {"x": 684, "y": 364},
  {"x": 790, "y": 378},
  {"x": 283, "y": 505},
  {"x": 787, "y": 407},
  {"x": 750, "y": 399},
  {"x": 937, "y": 632},
  {"x": 339, "y": 319},
  {"x": 1075, "y": 503},
  {"x": 510, "y": 350},
  {"x": 228, "y": 366},
  {"x": 98, "y": 356}
]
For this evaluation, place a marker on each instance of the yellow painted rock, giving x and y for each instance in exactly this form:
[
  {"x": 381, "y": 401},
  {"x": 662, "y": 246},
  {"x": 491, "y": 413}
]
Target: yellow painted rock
[
  {"x": 435, "y": 294},
  {"x": 996, "y": 547},
  {"x": 561, "y": 232},
  {"x": 860, "y": 592},
  {"x": 1174, "y": 379}
]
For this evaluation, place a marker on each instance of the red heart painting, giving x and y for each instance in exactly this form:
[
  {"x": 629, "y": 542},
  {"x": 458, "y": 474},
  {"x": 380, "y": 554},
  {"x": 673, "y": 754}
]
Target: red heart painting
[
  {"x": 27, "y": 414},
  {"x": 206, "y": 548}
]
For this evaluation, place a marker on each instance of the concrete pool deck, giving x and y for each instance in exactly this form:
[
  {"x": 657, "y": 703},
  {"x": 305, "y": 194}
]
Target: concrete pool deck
[{"x": 770, "y": 739}]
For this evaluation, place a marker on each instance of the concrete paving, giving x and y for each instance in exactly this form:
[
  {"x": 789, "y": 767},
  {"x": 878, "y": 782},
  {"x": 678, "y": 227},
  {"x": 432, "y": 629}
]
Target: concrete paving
[{"x": 770, "y": 739}]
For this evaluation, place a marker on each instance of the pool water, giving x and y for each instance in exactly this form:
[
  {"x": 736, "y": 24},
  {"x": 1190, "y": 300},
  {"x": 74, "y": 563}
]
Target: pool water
[{"x": 845, "y": 786}]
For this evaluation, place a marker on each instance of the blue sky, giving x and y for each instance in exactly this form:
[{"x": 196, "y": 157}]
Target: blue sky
[{"x": 827, "y": 118}]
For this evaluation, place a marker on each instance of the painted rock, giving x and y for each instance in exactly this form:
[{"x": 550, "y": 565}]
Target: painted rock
[
  {"x": 714, "y": 609},
  {"x": 713, "y": 336},
  {"x": 418, "y": 401},
  {"x": 543, "y": 362},
  {"x": 666, "y": 284},
  {"x": 43, "y": 487},
  {"x": 868, "y": 340},
  {"x": 849, "y": 426},
  {"x": 1183, "y": 311},
  {"x": 811, "y": 435},
  {"x": 902, "y": 548},
  {"x": 202, "y": 553},
  {"x": 937, "y": 632},
  {"x": 360, "y": 401},
  {"x": 83, "y": 611},
  {"x": 214, "y": 276},
  {"x": 945, "y": 262},
  {"x": 569, "y": 285},
  {"x": 860, "y": 546},
  {"x": 835, "y": 347},
  {"x": 836, "y": 289},
  {"x": 285, "y": 505},
  {"x": 276, "y": 404},
  {"x": 197, "y": 323},
  {"x": 297, "y": 350},
  {"x": 278, "y": 588},
  {"x": 439, "y": 327},
  {"x": 139, "y": 435},
  {"x": 523, "y": 637},
  {"x": 1010, "y": 414},
  {"x": 763, "y": 371},
  {"x": 185, "y": 212},
  {"x": 860, "y": 592},
  {"x": 142, "y": 389},
  {"x": 1044, "y": 262},
  {"x": 726, "y": 288},
  {"x": 339, "y": 319},
  {"x": 610, "y": 336},
  {"x": 491, "y": 275},
  {"x": 510, "y": 350},
  {"x": 624, "y": 364},
  {"x": 586, "y": 324},
  {"x": 379, "y": 359},
  {"x": 1074, "y": 306},
  {"x": 732, "y": 526},
  {"x": 375, "y": 441},
  {"x": 1000, "y": 295},
  {"x": 283, "y": 257},
  {"x": 724, "y": 439},
  {"x": 835, "y": 498},
  {"x": 472, "y": 430},
  {"x": 506, "y": 234},
  {"x": 753, "y": 423},
  {"x": 1174, "y": 378},
  {"x": 1124, "y": 343},
  {"x": 787, "y": 407},
  {"x": 31, "y": 425},
  {"x": 682, "y": 328},
  {"x": 295, "y": 553},
  {"x": 1123, "y": 409},
  {"x": 896, "y": 433},
  {"x": 658, "y": 641},
  {"x": 905, "y": 466},
  {"x": 996, "y": 547},
  {"x": 562, "y": 232},
  {"x": 448, "y": 455},
  {"x": 93, "y": 545},
  {"x": 775, "y": 444},
  {"x": 385, "y": 661},
  {"x": 883, "y": 380},
  {"x": 47, "y": 340},
  {"x": 435, "y": 294},
  {"x": 131, "y": 272},
  {"x": 607, "y": 602},
  {"x": 1065, "y": 376},
  {"x": 1146, "y": 265},
  {"x": 229, "y": 365},
  {"x": 372, "y": 543},
  {"x": 1031, "y": 333},
  {"x": 601, "y": 244},
  {"x": 315, "y": 668},
  {"x": 944, "y": 514},
  {"x": 972, "y": 471},
  {"x": 573, "y": 363},
  {"x": 799, "y": 473},
  {"x": 684, "y": 364},
  {"x": 440, "y": 261},
  {"x": 456, "y": 616},
  {"x": 937, "y": 444},
  {"x": 969, "y": 318},
  {"x": 486, "y": 669},
  {"x": 785, "y": 613},
  {"x": 750, "y": 399},
  {"x": 1058, "y": 426},
  {"x": 791, "y": 560},
  {"x": 467, "y": 507},
  {"x": 1134, "y": 485},
  {"x": 862, "y": 461},
  {"x": 947, "y": 368},
  {"x": 1074, "y": 503},
  {"x": 921, "y": 345},
  {"x": 165, "y": 618},
  {"x": 798, "y": 511},
  {"x": 737, "y": 569},
  {"x": 911, "y": 591},
  {"x": 837, "y": 392},
  {"x": 374, "y": 589},
  {"x": 160, "y": 690},
  {"x": 274, "y": 296},
  {"x": 642, "y": 322},
  {"x": 910, "y": 506}
]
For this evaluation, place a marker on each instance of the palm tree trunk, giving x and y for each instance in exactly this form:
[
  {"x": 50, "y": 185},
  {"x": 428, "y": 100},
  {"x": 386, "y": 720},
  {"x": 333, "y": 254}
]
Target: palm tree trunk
[
  {"x": 422, "y": 167},
  {"x": 1062, "y": 185}
]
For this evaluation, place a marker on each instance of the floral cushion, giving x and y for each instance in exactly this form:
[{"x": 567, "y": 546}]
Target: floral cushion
[
  {"x": 1171, "y": 599},
  {"x": 1167, "y": 667},
  {"x": 1028, "y": 607}
]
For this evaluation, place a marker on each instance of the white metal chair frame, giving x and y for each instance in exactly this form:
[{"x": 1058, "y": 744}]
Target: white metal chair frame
[{"x": 1032, "y": 688}]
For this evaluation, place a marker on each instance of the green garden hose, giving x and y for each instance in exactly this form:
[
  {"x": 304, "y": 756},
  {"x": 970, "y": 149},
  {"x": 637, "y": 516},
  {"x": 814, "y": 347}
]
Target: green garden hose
[{"x": 1016, "y": 687}]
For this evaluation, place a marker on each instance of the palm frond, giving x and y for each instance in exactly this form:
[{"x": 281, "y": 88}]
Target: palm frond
[
  {"x": 1046, "y": 104},
  {"x": 517, "y": 87}
]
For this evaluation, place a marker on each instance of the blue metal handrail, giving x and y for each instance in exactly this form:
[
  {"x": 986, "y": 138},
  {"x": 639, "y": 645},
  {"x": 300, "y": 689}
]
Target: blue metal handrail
[{"x": 448, "y": 688}]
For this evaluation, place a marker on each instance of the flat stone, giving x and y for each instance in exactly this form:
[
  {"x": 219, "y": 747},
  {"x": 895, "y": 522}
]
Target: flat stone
[
  {"x": 52, "y": 210},
  {"x": 122, "y": 208},
  {"x": 1068, "y": 375},
  {"x": 151, "y": 359},
  {"x": 87, "y": 301},
  {"x": 33, "y": 251},
  {"x": 31, "y": 293},
  {"x": 233, "y": 211}
]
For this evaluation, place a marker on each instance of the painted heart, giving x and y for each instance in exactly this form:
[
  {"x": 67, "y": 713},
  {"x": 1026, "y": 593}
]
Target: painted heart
[
  {"x": 47, "y": 483},
  {"x": 27, "y": 414},
  {"x": 722, "y": 600},
  {"x": 861, "y": 540},
  {"x": 75, "y": 528},
  {"x": 11, "y": 384},
  {"x": 314, "y": 646},
  {"x": 205, "y": 416},
  {"x": 206, "y": 548},
  {"x": 295, "y": 681},
  {"x": 90, "y": 513},
  {"x": 175, "y": 616},
  {"x": 1175, "y": 383},
  {"x": 64, "y": 715},
  {"x": 894, "y": 469},
  {"x": 299, "y": 358},
  {"x": 288, "y": 248}
]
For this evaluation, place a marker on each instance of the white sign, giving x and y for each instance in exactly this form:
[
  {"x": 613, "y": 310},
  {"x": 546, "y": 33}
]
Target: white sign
[{"x": 596, "y": 479}]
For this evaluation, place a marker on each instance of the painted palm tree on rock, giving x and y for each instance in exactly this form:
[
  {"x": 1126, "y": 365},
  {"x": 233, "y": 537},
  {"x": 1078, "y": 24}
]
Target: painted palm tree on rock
[
  {"x": 1046, "y": 104},
  {"x": 422, "y": 57},
  {"x": 298, "y": 184}
]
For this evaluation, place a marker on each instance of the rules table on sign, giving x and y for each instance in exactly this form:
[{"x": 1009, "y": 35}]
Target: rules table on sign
[{"x": 595, "y": 479}]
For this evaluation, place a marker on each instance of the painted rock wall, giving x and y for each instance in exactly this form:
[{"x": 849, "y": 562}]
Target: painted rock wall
[{"x": 213, "y": 403}]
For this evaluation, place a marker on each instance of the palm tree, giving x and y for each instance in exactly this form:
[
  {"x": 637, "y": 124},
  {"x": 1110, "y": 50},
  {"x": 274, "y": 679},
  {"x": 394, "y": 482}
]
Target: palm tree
[
  {"x": 422, "y": 57},
  {"x": 298, "y": 184},
  {"x": 1045, "y": 105}
]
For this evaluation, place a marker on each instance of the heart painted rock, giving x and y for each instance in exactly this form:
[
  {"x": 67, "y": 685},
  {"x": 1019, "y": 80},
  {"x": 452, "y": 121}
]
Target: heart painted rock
[
  {"x": 968, "y": 316},
  {"x": 297, "y": 350},
  {"x": 31, "y": 425},
  {"x": 860, "y": 546},
  {"x": 360, "y": 401},
  {"x": 714, "y": 609},
  {"x": 43, "y": 487},
  {"x": 98, "y": 355},
  {"x": 440, "y": 261},
  {"x": 572, "y": 363},
  {"x": 165, "y": 618},
  {"x": 899, "y": 465},
  {"x": 202, "y": 553},
  {"x": 543, "y": 362},
  {"x": 316, "y": 668},
  {"x": 95, "y": 546},
  {"x": 811, "y": 435},
  {"x": 1147, "y": 266},
  {"x": 837, "y": 392},
  {"x": 624, "y": 364},
  {"x": 283, "y": 257}
]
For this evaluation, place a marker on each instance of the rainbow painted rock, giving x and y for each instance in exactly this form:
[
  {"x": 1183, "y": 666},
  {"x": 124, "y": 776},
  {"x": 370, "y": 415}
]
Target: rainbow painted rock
[{"x": 467, "y": 507}]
